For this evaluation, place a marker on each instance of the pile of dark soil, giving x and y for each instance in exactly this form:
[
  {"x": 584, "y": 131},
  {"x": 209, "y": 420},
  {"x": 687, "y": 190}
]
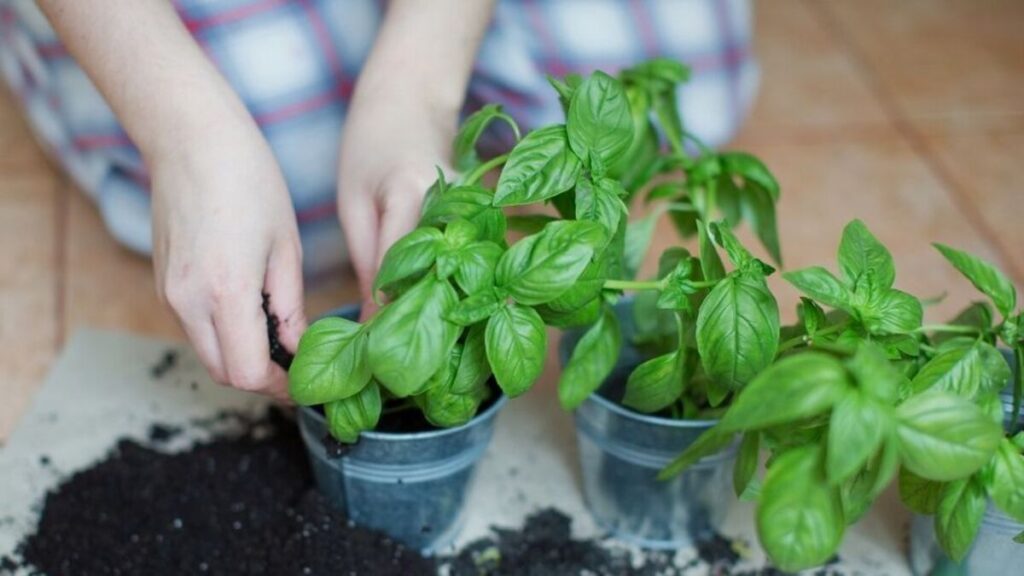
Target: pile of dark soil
[{"x": 236, "y": 505}]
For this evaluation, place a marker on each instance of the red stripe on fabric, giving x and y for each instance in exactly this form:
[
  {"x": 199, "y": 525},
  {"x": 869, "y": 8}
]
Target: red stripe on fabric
[
  {"x": 51, "y": 50},
  {"x": 645, "y": 27},
  {"x": 341, "y": 92},
  {"x": 724, "y": 23},
  {"x": 316, "y": 212},
  {"x": 195, "y": 25},
  {"x": 323, "y": 39},
  {"x": 554, "y": 63},
  {"x": 95, "y": 141}
]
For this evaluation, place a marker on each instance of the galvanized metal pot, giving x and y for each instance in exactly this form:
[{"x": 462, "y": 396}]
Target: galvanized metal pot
[
  {"x": 411, "y": 486},
  {"x": 621, "y": 452},
  {"x": 994, "y": 552}
]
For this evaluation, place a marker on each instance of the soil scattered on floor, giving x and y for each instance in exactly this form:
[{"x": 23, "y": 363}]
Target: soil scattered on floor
[
  {"x": 165, "y": 364},
  {"x": 235, "y": 505}
]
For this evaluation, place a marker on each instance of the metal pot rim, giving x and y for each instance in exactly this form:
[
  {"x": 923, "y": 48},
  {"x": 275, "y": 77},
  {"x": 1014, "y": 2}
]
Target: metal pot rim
[
  {"x": 648, "y": 419},
  {"x": 491, "y": 411}
]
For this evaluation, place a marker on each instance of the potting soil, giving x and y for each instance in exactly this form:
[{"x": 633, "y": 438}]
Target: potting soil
[{"x": 244, "y": 503}]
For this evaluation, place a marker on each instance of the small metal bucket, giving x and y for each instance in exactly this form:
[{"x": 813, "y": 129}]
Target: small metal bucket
[
  {"x": 994, "y": 553},
  {"x": 621, "y": 452},
  {"x": 411, "y": 486}
]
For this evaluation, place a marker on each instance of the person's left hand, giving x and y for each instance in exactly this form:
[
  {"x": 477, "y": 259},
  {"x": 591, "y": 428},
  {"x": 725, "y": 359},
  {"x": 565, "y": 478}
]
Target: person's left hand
[{"x": 394, "y": 138}]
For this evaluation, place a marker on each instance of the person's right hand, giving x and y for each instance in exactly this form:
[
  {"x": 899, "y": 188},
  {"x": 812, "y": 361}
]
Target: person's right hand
[{"x": 224, "y": 231}]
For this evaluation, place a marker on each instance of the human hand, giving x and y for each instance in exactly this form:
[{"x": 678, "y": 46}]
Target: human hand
[
  {"x": 224, "y": 232},
  {"x": 393, "y": 141}
]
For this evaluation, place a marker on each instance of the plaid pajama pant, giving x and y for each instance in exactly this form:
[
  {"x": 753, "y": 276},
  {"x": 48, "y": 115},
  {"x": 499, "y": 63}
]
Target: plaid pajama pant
[{"x": 294, "y": 64}]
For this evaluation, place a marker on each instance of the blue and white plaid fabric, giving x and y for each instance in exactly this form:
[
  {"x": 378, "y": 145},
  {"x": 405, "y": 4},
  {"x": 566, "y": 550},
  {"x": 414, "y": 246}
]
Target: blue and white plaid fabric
[{"x": 295, "y": 62}]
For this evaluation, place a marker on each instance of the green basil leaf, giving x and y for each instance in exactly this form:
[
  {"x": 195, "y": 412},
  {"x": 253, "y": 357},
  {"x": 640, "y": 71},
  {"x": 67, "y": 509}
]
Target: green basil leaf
[
  {"x": 347, "y": 417},
  {"x": 959, "y": 515},
  {"x": 516, "y": 344},
  {"x": 473, "y": 370},
  {"x": 459, "y": 233},
  {"x": 977, "y": 315},
  {"x": 820, "y": 284},
  {"x": 1005, "y": 480},
  {"x": 811, "y": 316},
  {"x": 860, "y": 253},
  {"x": 413, "y": 253},
  {"x": 746, "y": 462},
  {"x": 472, "y": 128},
  {"x": 738, "y": 254},
  {"x": 529, "y": 223},
  {"x": 664, "y": 71},
  {"x": 920, "y": 495},
  {"x": 565, "y": 88},
  {"x": 710, "y": 442},
  {"x": 794, "y": 388},
  {"x": 475, "y": 272},
  {"x": 475, "y": 308},
  {"x": 752, "y": 170},
  {"x": 892, "y": 312},
  {"x": 599, "y": 120},
  {"x": 800, "y": 518},
  {"x": 472, "y": 203},
  {"x": 591, "y": 361},
  {"x": 583, "y": 316},
  {"x": 436, "y": 190},
  {"x": 972, "y": 371},
  {"x": 944, "y": 437},
  {"x": 330, "y": 363},
  {"x": 729, "y": 199},
  {"x": 738, "y": 329},
  {"x": 985, "y": 277},
  {"x": 600, "y": 203},
  {"x": 710, "y": 262},
  {"x": 858, "y": 426},
  {"x": 411, "y": 337},
  {"x": 875, "y": 374},
  {"x": 639, "y": 234},
  {"x": 655, "y": 384},
  {"x": 539, "y": 167},
  {"x": 539, "y": 268},
  {"x": 759, "y": 209}
]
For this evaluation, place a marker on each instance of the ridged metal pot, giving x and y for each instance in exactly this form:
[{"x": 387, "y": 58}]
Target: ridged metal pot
[
  {"x": 411, "y": 486},
  {"x": 621, "y": 452},
  {"x": 994, "y": 553}
]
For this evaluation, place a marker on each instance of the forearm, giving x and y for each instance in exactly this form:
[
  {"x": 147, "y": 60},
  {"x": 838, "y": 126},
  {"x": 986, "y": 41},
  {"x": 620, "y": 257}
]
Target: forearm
[
  {"x": 428, "y": 48},
  {"x": 155, "y": 77}
]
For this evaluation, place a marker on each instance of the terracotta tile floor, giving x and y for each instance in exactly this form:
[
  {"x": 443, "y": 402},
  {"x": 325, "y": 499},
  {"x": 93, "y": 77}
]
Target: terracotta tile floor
[{"x": 909, "y": 115}]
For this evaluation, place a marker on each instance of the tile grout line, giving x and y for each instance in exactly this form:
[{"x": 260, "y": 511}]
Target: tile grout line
[
  {"x": 60, "y": 256},
  {"x": 918, "y": 144}
]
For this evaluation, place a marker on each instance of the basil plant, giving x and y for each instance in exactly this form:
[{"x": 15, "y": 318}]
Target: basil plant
[
  {"x": 465, "y": 306},
  {"x": 865, "y": 393}
]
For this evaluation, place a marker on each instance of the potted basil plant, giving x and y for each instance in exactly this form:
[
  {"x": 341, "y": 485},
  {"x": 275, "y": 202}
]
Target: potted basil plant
[
  {"x": 648, "y": 375},
  {"x": 976, "y": 525},
  {"x": 865, "y": 393},
  {"x": 412, "y": 392}
]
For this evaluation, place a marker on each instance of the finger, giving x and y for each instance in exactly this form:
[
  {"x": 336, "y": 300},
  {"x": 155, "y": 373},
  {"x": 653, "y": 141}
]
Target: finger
[
  {"x": 242, "y": 334},
  {"x": 358, "y": 216},
  {"x": 400, "y": 214},
  {"x": 283, "y": 285},
  {"x": 201, "y": 334}
]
